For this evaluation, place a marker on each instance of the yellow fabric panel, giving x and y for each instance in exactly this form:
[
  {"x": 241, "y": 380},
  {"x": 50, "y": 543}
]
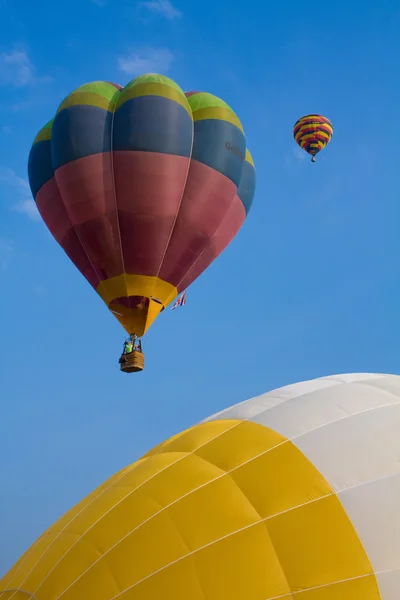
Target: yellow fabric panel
[
  {"x": 219, "y": 580},
  {"x": 219, "y": 113},
  {"x": 195, "y": 437},
  {"x": 44, "y": 134},
  {"x": 7, "y": 581},
  {"x": 136, "y": 320},
  {"x": 154, "y": 310},
  {"x": 362, "y": 588},
  {"x": 187, "y": 472},
  {"x": 249, "y": 157},
  {"x": 240, "y": 444},
  {"x": 15, "y": 595},
  {"x": 180, "y": 577},
  {"x": 76, "y": 559},
  {"x": 35, "y": 552},
  {"x": 160, "y": 447},
  {"x": 227, "y": 509},
  {"x": 136, "y": 285},
  {"x": 294, "y": 480},
  {"x": 44, "y": 558},
  {"x": 242, "y": 566},
  {"x": 226, "y": 570},
  {"x": 212, "y": 521},
  {"x": 148, "y": 549},
  {"x": 86, "y": 503},
  {"x": 125, "y": 285},
  {"x": 87, "y": 99},
  {"x": 138, "y": 513},
  {"x": 138, "y": 497},
  {"x": 317, "y": 544},
  {"x": 78, "y": 520}
]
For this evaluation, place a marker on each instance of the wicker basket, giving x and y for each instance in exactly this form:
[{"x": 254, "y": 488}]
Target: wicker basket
[{"x": 132, "y": 362}]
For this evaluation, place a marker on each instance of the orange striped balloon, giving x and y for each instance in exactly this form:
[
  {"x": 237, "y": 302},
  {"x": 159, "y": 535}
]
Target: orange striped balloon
[{"x": 313, "y": 133}]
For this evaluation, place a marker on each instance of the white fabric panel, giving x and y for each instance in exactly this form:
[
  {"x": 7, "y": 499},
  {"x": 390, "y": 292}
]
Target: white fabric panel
[
  {"x": 253, "y": 406},
  {"x": 298, "y": 408},
  {"x": 353, "y": 377},
  {"x": 387, "y": 383},
  {"x": 374, "y": 510},
  {"x": 389, "y": 585},
  {"x": 356, "y": 449},
  {"x": 318, "y": 408}
]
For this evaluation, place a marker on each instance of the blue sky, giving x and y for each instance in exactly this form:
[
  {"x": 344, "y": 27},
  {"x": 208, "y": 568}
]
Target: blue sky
[{"x": 309, "y": 287}]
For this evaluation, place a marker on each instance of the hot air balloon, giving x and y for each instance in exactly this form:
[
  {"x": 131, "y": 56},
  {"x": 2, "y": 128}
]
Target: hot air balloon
[
  {"x": 313, "y": 133},
  {"x": 143, "y": 186},
  {"x": 294, "y": 493}
]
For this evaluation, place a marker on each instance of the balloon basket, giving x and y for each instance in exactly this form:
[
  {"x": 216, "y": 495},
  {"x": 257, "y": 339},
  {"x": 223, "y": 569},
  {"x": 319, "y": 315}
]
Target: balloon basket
[{"x": 132, "y": 362}]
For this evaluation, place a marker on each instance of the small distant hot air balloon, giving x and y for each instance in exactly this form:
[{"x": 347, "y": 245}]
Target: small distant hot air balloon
[
  {"x": 313, "y": 133},
  {"x": 143, "y": 187}
]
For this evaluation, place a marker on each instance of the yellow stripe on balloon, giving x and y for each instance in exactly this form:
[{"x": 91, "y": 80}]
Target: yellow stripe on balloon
[
  {"x": 219, "y": 113},
  {"x": 249, "y": 158},
  {"x": 154, "y": 89},
  {"x": 311, "y": 135},
  {"x": 44, "y": 134},
  {"x": 87, "y": 99}
]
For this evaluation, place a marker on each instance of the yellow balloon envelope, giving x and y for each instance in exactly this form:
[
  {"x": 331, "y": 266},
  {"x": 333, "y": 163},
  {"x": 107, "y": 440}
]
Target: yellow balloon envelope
[{"x": 295, "y": 493}]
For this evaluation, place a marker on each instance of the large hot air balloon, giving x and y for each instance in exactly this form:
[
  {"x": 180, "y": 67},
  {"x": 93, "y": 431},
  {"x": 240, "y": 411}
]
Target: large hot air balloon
[
  {"x": 313, "y": 133},
  {"x": 143, "y": 187},
  {"x": 293, "y": 494}
]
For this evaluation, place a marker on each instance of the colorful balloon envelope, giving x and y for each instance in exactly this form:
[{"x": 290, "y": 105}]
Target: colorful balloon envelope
[
  {"x": 143, "y": 186},
  {"x": 313, "y": 133}
]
